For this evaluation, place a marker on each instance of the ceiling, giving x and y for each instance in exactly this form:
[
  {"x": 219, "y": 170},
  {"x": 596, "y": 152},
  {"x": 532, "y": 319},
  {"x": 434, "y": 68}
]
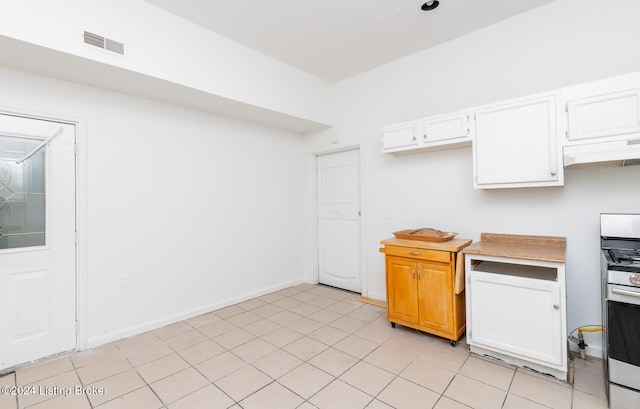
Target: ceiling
[{"x": 335, "y": 39}]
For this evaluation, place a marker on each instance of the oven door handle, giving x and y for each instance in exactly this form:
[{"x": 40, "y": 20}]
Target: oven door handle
[{"x": 625, "y": 292}]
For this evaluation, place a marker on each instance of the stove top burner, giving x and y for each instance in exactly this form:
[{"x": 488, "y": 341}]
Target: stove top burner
[
  {"x": 625, "y": 256},
  {"x": 620, "y": 243}
]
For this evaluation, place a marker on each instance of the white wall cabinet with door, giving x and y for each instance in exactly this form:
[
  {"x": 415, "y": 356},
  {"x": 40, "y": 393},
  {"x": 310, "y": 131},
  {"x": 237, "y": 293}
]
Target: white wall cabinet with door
[
  {"x": 516, "y": 144},
  {"x": 516, "y": 311},
  {"x": 445, "y": 131},
  {"x": 401, "y": 137},
  {"x": 603, "y": 121},
  {"x": 520, "y": 142},
  {"x": 608, "y": 109}
]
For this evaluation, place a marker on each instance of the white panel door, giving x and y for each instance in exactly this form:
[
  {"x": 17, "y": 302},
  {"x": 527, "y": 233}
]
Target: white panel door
[
  {"x": 339, "y": 220},
  {"x": 37, "y": 240}
]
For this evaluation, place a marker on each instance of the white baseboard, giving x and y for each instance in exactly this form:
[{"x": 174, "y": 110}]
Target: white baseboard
[
  {"x": 377, "y": 296},
  {"x": 155, "y": 324}
]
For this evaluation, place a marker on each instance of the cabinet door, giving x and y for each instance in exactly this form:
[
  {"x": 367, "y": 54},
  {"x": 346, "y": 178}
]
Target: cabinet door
[
  {"x": 516, "y": 144},
  {"x": 518, "y": 316},
  {"x": 401, "y": 137},
  {"x": 446, "y": 127},
  {"x": 605, "y": 115},
  {"x": 435, "y": 292},
  {"x": 402, "y": 293}
]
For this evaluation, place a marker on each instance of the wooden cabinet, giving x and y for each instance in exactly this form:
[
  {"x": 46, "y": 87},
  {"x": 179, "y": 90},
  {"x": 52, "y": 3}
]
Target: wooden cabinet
[
  {"x": 420, "y": 286},
  {"x": 516, "y": 144},
  {"x": 516, "y": 309},
  {"x": 432, "y": 133}
]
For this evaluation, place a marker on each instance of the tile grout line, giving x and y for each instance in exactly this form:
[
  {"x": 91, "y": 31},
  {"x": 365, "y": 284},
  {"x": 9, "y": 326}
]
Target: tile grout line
[
  {"x": 304, "y": 361},
  {"x": 141, "y": 377},
  {"x": 329, "y": 345}
]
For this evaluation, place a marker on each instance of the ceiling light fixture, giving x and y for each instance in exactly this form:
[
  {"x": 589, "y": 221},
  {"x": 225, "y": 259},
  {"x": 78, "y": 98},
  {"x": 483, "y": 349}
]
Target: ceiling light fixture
[{"x": 430, "y": 5}]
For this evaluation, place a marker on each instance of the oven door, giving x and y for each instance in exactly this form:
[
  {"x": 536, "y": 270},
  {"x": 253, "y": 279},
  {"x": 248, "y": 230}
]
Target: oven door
[{"x": 623, "y": 333}]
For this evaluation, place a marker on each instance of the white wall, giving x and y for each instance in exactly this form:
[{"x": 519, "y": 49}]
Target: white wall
[
  {"x": 562, "y": 43},
  {"x": 200, "y": 211},
  {"x": 163, "y": 46}
]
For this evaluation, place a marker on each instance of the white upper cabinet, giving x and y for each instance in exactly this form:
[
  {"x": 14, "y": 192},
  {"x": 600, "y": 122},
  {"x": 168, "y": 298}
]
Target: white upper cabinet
[
  {"x": 606, "y": 109},
  {"x": 401, "y": 137},
  {"x": 528, "y": 141},
  {"x": 435, "y": 132},
  {"x": 614, "y": 114},
  {"x": 453, "y": 128},
  {"x": 516, "y": 144}
]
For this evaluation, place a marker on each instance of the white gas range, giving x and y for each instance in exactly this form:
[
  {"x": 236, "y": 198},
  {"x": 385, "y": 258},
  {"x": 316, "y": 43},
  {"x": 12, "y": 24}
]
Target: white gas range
[{"x": 620, "y": 242}]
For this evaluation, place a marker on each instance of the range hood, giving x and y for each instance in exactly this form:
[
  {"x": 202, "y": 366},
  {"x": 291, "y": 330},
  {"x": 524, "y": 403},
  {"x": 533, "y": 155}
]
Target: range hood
[{"x": 614, "y": 153}]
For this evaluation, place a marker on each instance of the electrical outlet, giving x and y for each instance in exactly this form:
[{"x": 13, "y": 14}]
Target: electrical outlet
[{"x": 124, "y": 280}]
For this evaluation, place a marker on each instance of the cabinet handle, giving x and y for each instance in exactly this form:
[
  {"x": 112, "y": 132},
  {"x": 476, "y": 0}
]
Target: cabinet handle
[
  {"x": 556, "y": 306},
  {"x": 414, "y": 138},
  {"x": 415, "y": 253},
  {"x": 553, "y": 173},
  {"x": 419, "y": 273},
  {"x": 413, "y": 273}
]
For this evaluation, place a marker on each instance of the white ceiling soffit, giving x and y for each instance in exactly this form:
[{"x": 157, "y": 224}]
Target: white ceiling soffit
[
  {"x": 335, "y": 39},
  {"x": 28, "y": 57}
]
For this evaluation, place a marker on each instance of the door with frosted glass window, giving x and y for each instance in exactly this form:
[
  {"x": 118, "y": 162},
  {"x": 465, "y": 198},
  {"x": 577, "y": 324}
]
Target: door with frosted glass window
[
  {"x": 339, "y": 219},
  {"x": 37, "y": 239}
]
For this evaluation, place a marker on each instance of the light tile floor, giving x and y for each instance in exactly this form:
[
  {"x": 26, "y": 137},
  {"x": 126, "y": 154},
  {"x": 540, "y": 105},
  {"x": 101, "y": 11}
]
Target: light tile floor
[{"x": 302, "y": 347}]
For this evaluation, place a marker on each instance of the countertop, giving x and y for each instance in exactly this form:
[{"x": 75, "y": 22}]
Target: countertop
[
  {"x": 540, "y": 248},
  {"x": 452, "y": 245}
]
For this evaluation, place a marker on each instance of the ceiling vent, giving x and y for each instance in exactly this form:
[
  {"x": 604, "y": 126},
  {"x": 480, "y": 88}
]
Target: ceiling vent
[{"x": 103, "y": 43}]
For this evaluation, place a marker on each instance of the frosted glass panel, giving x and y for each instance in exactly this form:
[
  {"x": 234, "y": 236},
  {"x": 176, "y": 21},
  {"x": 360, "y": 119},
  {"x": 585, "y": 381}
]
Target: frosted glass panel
[{"x": 22, "y": 194}]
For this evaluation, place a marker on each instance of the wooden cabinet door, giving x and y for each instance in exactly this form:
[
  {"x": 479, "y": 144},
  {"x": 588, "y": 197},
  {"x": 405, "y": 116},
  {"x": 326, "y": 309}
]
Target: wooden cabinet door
[
  {"x": 435, "y": 289},
  {"x": 402, "y": 293}
]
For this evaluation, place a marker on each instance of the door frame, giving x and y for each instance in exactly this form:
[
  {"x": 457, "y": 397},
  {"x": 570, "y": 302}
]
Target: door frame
[
  {"x": 313, "y": 215},
  {"x": 81, "y": 214}
]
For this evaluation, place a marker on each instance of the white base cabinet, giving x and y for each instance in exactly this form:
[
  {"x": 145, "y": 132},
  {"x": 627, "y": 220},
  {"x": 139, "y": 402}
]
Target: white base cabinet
[{"x": 516, "y": 312}]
